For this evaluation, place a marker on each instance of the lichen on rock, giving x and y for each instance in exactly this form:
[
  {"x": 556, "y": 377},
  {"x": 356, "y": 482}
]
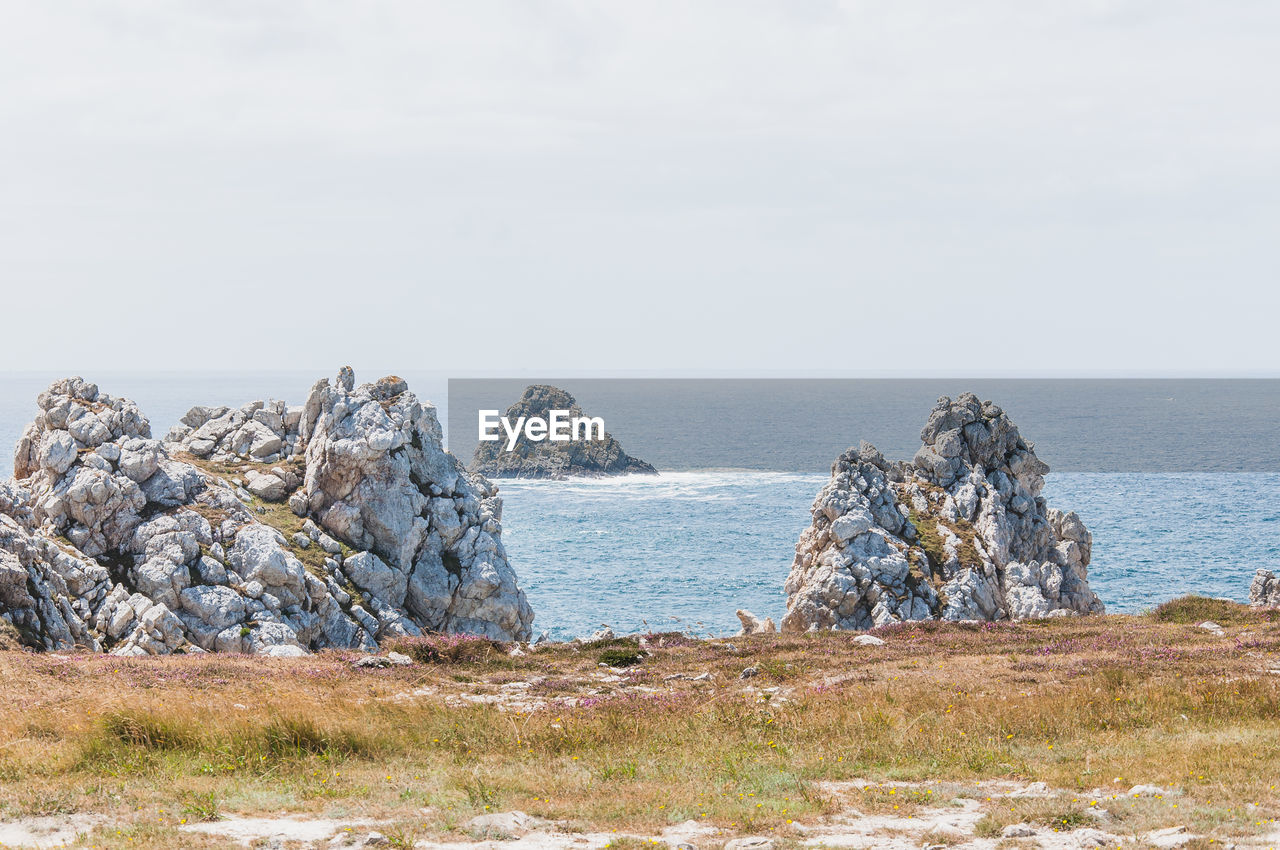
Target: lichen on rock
[{"x": 958, "y": 533}]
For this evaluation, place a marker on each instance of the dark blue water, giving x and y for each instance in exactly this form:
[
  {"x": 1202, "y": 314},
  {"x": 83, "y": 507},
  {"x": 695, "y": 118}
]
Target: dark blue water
[{"x": 788, "y": 425}]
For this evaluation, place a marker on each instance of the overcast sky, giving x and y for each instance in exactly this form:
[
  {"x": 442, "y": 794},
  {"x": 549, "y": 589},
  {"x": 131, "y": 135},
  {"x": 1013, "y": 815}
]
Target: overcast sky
[{"x": 860, "y": 187}]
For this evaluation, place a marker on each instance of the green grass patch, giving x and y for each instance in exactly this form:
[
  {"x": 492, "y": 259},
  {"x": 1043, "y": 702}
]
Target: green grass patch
[
  {"x": 620, "y": 657},
  {"x": 1190, "y": 610}
]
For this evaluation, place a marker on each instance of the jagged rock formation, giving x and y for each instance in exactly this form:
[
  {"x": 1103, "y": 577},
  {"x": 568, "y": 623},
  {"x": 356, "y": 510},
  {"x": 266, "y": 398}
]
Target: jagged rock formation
[
  {"x": 378, "y": 479},
  {"x": 1264, "y": 590},
  {"x": 547, "y": 459},
  {"x": 115, "y": 541},
  {"x": 959, "y": 533}
]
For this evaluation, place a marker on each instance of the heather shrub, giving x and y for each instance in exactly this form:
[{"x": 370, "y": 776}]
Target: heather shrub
[
  {"x": 621, "y": 657},
  {"x": 449, "y": 649}
]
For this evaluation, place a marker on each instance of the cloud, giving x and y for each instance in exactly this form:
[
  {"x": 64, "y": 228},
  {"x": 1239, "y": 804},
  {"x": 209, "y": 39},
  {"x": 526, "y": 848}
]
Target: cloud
[{"x": 851, "y": 186}]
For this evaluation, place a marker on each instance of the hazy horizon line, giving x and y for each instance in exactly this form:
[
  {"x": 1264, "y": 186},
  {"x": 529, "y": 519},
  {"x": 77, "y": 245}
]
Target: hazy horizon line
[{"x": 690, "y": 374}]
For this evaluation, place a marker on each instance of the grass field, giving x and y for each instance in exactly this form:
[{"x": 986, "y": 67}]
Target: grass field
[{"x": 1091, "y": 707}]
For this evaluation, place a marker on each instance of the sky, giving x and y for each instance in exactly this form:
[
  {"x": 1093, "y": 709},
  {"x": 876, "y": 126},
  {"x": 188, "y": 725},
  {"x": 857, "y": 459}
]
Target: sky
[{"x": 800, "y": 187}]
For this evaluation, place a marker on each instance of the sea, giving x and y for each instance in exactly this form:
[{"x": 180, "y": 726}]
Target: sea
[{"x": 1179, "y": 480}]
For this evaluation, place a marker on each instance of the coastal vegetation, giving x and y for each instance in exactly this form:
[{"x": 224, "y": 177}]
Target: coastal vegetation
[{"x": 1091, "y": 707}]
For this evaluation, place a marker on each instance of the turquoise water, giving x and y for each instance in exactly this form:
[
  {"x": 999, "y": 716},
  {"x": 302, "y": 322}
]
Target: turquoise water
[{"x": 685, "y": 550}]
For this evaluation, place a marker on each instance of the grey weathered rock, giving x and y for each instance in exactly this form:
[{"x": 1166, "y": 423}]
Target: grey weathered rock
[
  {"x": 503, "y": 825},
  {"x": 584, "y": 458},
  {"x": 603, "y": 633},
  {"x": 217, "y": 607},
  {"x": 958, "y": 533},
  {"x": 751, "y": 842},
  {"x": 753, "y": 625},
  {"x": 109, "y": 542},
  {"x": 1170, "y": 836},
  {"x": 1088, "y": 838},
  {"x": 379, "y": 480},
  {"x": 1036, "y": 790},
  {"x": 1151, "y": 791},
  {"x": 391, "y": 659},
  {"x": 1264, "y": 591},
  {"x": 268, "y": 487},
  {"x": 124, "y": 547},
  {"x": 263, "y": 431},
  {"x": 66, "y": 583}
]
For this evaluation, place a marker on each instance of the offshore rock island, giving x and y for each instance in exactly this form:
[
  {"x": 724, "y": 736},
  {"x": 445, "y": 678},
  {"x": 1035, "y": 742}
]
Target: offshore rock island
[
  {"x": 265, "y": 529},
  {"x": 591, "y": 458},
  {"x": 960, "y": 532}
]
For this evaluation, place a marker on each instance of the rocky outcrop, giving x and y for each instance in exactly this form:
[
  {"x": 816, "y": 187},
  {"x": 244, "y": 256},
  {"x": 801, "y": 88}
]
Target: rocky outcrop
[
  {"x": 593, "y": 458},
  {"x": 1264, "y": 591},
  {"x": 378, "y": 479},
  {"x": 112, "y": 540},
  {"x": 958, "y": 533},
  {"x": 262, "y": 431}
]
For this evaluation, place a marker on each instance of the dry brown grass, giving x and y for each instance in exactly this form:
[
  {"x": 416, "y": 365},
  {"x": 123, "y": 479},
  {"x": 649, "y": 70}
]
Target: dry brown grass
[{"x": 1096, "y": 703}]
